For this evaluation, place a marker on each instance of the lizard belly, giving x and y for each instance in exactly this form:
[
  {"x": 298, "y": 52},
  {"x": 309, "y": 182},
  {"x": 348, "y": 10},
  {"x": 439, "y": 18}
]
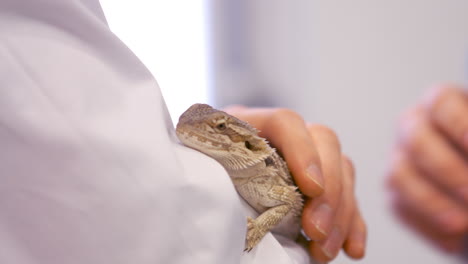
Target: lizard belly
[
  {"x": 254, "y": 195},
  {"x": 255, "y": 190}
]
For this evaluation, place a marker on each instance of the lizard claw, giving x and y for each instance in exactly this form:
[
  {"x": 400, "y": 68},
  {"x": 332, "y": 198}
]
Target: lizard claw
[{"x": 254, "y": 234}]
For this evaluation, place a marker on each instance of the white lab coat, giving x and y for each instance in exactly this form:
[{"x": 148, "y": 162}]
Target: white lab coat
[{"x": 90, "y": 170}]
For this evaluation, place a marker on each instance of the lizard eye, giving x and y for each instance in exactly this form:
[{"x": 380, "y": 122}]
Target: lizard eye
[{"x": 221, "y": 126}]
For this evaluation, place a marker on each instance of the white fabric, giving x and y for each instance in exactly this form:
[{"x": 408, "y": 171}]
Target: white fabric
[{"x": 90, "y": 171}]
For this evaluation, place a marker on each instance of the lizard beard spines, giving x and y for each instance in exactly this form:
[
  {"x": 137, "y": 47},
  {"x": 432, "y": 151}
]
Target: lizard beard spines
[{"x": 238, "y": 162}]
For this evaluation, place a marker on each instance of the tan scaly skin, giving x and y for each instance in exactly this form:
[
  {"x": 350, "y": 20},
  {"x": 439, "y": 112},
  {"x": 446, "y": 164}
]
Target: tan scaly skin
[{"x": 259, "y": 174}]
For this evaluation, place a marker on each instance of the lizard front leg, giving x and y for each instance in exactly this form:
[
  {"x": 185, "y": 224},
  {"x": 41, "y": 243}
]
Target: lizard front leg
[{"x": 282, "y": 200}]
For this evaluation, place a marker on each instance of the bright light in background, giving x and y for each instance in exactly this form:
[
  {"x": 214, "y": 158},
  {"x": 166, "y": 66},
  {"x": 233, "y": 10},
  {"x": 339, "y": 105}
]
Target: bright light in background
[{"x": 170, "y": 38}]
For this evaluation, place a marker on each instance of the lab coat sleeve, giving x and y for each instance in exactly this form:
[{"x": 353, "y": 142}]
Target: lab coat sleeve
[{"x": 90, "y": 171}]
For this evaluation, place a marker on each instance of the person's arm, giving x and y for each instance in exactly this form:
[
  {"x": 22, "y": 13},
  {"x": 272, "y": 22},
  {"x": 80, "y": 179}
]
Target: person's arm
[
  {"x": 330, "y": 217},
  {"x": 429, "y": 172}
]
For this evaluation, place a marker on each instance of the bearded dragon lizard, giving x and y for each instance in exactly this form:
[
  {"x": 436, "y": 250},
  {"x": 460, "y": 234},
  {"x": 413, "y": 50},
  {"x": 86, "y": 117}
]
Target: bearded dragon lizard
[{"x": 259, "y": 174}]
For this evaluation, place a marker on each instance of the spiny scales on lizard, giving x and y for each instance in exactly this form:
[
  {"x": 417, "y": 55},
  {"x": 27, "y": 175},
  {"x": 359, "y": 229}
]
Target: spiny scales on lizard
[{"x": 259, "y": 174}]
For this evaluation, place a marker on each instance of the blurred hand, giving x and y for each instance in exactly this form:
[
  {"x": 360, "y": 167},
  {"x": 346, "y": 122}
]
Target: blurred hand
[
  {"x": 429, "y": 172},
  {"x": 331, "y": 219}
]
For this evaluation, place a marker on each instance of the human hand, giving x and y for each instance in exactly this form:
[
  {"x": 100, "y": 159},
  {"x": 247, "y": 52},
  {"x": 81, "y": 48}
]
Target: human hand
[
  {"x": 429, "y": 171},
  {"x": 323, "y": 174}
]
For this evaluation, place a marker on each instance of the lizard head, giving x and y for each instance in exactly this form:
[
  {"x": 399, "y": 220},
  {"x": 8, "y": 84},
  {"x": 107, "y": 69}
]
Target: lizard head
[{"x": 232, "y": 142}]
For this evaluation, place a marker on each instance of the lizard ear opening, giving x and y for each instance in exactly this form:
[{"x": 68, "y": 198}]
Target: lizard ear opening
[
  {"x": 256, "y": 144},
  {"x": 269, "y": 162},
  {"x": 248, "y": 145}
]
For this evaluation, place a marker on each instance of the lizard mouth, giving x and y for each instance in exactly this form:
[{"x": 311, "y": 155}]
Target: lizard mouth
[
  {"x": 231, "y": 157},
  {"x": 197, "y": 141}
]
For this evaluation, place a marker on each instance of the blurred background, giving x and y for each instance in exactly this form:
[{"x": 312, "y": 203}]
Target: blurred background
[{"x": 352, "y": 65}]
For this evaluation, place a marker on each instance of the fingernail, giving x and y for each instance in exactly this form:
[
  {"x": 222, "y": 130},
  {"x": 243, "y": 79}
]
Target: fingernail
[
  {"x": 463, "y": 193},
  {"x": 321, "y": 218},
  {"x": 451, "y": 220},
  {"x": 314, "y": 173},
  {"x": 332, "y": 245}
]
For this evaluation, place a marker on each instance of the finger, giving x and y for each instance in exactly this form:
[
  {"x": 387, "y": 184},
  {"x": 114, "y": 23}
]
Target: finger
[
  {"x": 329, "y": 248},
  {"x": 434, "y": 156},
  {"x": 448, "y": 109},
  {"x": 448, "y": 243},
  {"x": 355, "y": 243},
  {"x": 287, "y": 132},
  {"x": 436, "y": 209},
  {"x": 320, "y": 213}
]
